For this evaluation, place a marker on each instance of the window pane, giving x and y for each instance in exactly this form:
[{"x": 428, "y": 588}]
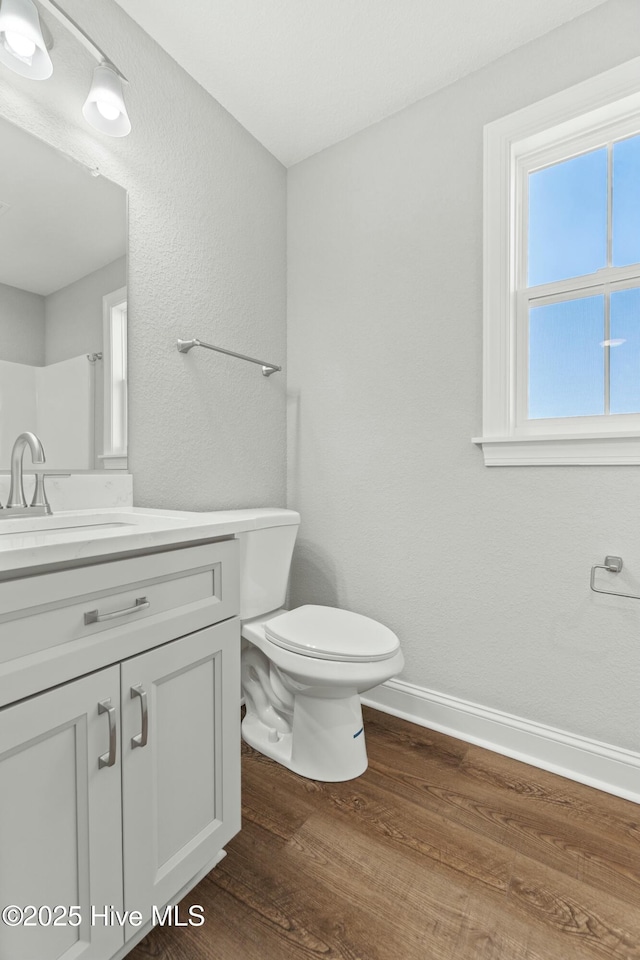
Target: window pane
[
  {"x": 626, "y": 202},
  {"x": 625, "y": 356},
  {"x": 566, "y": 366},
  {"x": 568, "y": 218}
]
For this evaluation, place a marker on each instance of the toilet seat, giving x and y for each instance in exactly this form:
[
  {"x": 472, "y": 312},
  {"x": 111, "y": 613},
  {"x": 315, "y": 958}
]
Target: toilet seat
[{"x": 328, "y": 633}]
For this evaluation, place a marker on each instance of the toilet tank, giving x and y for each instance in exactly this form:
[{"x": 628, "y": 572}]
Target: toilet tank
[{"x": 265, "y": 559}]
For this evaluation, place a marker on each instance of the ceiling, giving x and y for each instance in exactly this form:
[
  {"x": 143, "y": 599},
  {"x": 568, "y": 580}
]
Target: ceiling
[
  {"x": 301, "y": 75},
  {"x": 57, "y": 222}
]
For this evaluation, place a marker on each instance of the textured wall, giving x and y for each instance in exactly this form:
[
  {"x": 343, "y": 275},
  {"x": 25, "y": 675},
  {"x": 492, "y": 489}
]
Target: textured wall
[
  {"x": 21, "y": 326},
  {"x": 482, "y": 572},
  {"x": 207, "y": 260}
]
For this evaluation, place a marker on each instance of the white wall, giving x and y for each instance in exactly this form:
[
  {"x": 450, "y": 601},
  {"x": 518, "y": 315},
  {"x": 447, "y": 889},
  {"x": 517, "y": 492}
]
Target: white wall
[
  {"x": 483, "y": 573},
  {"x": 207, "y": 259},
  {"x": 74, "y": 325},
  {"x": 21, "y": 326},
  {"x": 18, "y": 407},
  {"x": 74, "y": 313}
]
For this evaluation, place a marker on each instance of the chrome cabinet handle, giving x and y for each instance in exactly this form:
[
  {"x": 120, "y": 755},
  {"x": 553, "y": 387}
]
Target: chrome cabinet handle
[
  {"x": 108, "y": 759},
  {"x": 94, "y": 616},
  {"x": 140, "y": 740}
]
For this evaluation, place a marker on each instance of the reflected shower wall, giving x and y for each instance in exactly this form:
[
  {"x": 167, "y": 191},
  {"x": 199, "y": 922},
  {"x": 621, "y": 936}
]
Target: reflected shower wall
[
  {"x": 56, "y": 403},
  {"x": 44, "y": 333}
]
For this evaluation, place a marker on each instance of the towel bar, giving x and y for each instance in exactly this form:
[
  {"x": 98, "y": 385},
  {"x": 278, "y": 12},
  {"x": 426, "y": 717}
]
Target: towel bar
[
  {"x": 613, "y": 565},
  {"x": 267, "y": 368}
]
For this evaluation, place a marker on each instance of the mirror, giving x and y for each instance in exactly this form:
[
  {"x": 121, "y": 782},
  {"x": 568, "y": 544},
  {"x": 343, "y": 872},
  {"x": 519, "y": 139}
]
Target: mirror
[{"x": 63, "y": 307}]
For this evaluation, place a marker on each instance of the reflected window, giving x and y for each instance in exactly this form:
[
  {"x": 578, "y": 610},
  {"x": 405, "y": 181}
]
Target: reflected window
[{"x": 115, "y": 378}]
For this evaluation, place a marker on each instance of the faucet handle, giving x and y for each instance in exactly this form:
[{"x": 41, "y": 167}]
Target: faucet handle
[{"x": 39, "y": 492}]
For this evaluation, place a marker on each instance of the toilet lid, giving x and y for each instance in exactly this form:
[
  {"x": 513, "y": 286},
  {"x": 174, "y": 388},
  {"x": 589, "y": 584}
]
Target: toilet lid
[{"x": 331, "y": 634}]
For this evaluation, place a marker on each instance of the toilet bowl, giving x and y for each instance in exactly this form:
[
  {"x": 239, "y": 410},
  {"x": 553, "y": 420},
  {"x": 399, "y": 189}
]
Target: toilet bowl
[{"x": 303, "y": 670}]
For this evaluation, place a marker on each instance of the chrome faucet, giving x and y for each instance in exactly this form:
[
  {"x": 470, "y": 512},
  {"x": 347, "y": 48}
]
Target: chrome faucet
[{"x": 17, "y": 503}]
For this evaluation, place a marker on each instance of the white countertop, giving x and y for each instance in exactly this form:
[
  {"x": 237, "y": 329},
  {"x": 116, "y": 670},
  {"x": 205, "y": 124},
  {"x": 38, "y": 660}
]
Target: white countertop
[{"x": 27, "y": 544}]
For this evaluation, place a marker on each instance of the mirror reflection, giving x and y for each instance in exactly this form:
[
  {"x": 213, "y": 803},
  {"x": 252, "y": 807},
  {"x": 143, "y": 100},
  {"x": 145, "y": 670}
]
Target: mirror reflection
[{"x": 63, "y": 307}]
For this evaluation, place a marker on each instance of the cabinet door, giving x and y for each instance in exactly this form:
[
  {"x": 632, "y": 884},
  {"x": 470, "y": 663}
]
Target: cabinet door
[
  {"x": 60, "y": 820},
  {"x": 181, "y": 788}
]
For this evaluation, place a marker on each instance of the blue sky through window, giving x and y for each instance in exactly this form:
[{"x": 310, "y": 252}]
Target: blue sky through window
[
  {"x": 568, "y": 218},
  {"x": 626, "y": 202},
  {"x": 566, "y": 370},
  {"x": 568, "y": 238},
  {"x": 625, "y": 357}
]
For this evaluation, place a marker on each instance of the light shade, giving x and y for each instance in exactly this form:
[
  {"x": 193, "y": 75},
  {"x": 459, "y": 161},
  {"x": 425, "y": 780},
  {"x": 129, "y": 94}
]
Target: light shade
[
  {"x": 22, "y": 46},
  {"x": 104, "y": 108}
]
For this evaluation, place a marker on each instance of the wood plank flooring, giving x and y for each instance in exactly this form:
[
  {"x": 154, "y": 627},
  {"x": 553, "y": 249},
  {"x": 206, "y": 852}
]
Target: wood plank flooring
[{"x": 440, "y": 851}]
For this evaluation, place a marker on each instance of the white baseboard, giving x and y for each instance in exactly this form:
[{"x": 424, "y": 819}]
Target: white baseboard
[{"x": 601, "y": 765}]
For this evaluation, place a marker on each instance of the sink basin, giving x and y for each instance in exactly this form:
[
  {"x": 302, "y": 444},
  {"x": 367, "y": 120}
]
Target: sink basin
[
  {"x": 78, "y": 525},
  {"x": 42, "y": 525}
]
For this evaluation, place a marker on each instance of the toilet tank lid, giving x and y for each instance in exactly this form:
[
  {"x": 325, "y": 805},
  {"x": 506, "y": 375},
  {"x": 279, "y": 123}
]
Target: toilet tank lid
[
  {"x": 329, "y": 633},
  {"x": 262, "y": 517}
]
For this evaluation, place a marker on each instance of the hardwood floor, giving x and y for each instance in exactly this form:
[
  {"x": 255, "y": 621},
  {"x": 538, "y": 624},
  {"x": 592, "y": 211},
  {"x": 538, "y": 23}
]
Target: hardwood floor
[{"x": 440, "y": 851}]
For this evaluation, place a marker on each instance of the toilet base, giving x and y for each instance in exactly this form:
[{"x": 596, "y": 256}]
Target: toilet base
[{"x": 326, "y": 741}]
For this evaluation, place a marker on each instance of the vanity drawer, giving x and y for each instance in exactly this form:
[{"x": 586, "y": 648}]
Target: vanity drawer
[{"x": 93, "y": 602}]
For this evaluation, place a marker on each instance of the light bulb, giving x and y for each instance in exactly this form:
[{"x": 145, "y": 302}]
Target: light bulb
[
  {"x": 108, "y": 110},
  {"x": 104, "y": 107},
  {"x": 20, "y": 45}
]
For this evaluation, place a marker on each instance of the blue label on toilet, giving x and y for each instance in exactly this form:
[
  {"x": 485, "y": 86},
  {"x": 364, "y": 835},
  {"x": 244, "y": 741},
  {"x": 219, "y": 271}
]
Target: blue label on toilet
[{"x": 361, "y": 730}]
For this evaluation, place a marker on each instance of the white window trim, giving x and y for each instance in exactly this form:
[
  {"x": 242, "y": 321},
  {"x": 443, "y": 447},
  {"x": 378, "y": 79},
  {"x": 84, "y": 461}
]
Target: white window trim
[
  {"x": 114, "y": 455},
  {"x": 583, "y": 110}
]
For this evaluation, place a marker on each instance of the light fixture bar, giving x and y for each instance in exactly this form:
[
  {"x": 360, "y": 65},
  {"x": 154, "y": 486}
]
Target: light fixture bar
[
  {"x": 23, "y": 49},
  {"x": 80, "y": 35}
]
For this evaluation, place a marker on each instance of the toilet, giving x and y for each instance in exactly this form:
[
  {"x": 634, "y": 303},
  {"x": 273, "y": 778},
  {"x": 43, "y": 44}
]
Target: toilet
[{"x": 303, "y": 670}]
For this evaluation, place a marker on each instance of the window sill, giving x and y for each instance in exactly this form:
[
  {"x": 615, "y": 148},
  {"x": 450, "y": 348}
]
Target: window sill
[
  {"x": 113, "y": 461},
  {"x": 594, "y": 449}
]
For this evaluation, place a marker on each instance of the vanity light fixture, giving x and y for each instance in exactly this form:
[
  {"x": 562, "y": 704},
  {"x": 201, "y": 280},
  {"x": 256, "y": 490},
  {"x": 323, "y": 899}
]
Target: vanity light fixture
[
  {"x": 24, "y": 50},
  {"x": 104, "y": 108},
  {"x": 22, "y": 45}
]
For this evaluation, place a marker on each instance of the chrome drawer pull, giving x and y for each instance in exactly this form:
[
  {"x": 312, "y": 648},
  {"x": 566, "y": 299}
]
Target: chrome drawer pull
[
  {"x": 108, "y": 759},
  {"x": 140, "y": 740},
  {"x": 94, "y": 616}
]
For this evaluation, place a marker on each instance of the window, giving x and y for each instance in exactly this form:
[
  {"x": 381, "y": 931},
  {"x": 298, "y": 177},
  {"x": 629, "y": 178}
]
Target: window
[
  {"x": 562, "y": 278},
  {"x": 114, "y": 318}
]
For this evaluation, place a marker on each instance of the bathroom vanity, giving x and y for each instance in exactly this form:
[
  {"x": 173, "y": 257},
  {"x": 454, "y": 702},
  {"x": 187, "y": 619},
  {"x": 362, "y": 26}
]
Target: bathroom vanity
[{"x": 119, "y": 721}]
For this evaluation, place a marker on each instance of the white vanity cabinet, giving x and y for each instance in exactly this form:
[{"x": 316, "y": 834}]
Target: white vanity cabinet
[
  {"x": 119, "y": 744},
  {"x": 181, "y": 791},
  {"x": 60, "y": 820}
]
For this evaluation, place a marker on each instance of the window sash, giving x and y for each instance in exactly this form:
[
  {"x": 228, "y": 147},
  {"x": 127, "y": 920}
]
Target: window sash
[
  {"x": 616, "y": 277},
  {"x": 531, "y": 297},
  {"x": 560, "y": 152},
  {"x": 603, "y": 282}
]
